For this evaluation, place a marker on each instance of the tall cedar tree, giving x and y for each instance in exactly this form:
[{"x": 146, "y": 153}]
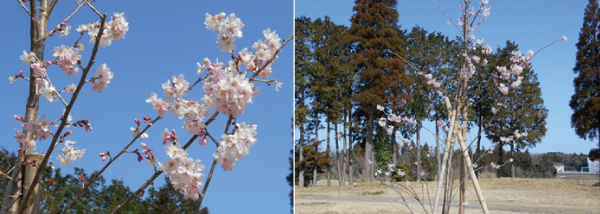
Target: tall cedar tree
[
  {"x": 372, "y": 36},
  {"x": 522, "y": 109},
  {"x": 586, "y": 100},
  {"x": 302, "y": 61},
  {"x": 326, "y": 37}
]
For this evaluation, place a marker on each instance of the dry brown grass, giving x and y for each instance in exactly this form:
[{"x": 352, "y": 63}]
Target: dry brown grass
[{"x": 562, "y": 195}]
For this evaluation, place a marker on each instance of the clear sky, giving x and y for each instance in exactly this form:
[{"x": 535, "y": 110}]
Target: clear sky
[
  {"x": 531, "y": 24},
  {"x": 165, "y": 38}
]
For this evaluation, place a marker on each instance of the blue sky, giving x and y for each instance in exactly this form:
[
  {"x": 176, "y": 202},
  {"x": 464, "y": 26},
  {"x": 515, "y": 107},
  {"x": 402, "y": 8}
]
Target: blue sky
[
  {"x": 531, "y": 24},
  {"x": 165, "y": 38}
]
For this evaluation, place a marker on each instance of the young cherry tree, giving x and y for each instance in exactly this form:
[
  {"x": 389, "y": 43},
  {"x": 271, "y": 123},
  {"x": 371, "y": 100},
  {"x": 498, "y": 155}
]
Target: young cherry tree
[
  {"x": 232, "y": 101},
  {"x": 458, "y": 103},
  {"x": 25, "y": 175}
]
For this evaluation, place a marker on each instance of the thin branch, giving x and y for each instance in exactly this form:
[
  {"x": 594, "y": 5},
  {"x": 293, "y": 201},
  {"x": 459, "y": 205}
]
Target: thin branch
[
  {"x": 450, "y": 19},
  {"x": 52, "y": 4},
  {"x": 108, "y": 164},
  {"x": 61, "y": 99},
  {"x": 197, "y": 81},
  {"x": 50, "y": 33},
  {"x": 94, "y": 9},
  {"x": 272, "y": 57},
  {"x": 23, "y": 6},
  {"x": 148, "y": 182}
]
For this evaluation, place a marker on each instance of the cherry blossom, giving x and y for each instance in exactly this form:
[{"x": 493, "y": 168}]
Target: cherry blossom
[
  {"x": 28, "y": 57},
  {"x": 102, "y": 79},
  {"x": 235, "y": 146},
  {"x": 70, "y": 153},
  {"x": 182, "y": 171}
]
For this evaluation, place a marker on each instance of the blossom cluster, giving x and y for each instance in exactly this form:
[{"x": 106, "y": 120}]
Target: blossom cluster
[
  {"x": 229, "y": 28},
  {"x": 182, "y": 171},
  {"x": 516, "y": 135},
  {"x": 227, "y": 91},
  {"x": 67, "y": 57},
  {"x": 235, "y": 146},
  {"x": 113, "y": 30},
  {"x": 102, "y": 79},
  {"x": 70, "y": 153},
  {"x": 393, "y": 118}
]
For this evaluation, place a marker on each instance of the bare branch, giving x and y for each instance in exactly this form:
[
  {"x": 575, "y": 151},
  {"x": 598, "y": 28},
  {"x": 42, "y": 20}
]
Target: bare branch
[
  {"x": 108, "y": 164},
  {"x": 23, "y": 6}
]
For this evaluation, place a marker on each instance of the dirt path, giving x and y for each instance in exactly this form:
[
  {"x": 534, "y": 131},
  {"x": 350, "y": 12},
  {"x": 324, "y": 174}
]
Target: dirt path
[
  {"x": 503, "y": 196},
  {"x": 303, "y": 201}
]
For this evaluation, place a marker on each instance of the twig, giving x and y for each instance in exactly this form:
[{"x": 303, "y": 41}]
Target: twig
[
  {"x": 23, "y": 6},
  {"x": 50, "y": 33},
  {"x": 442, "y": 9},
  {"x": 108, "y": 164},
  {"x": 148, "y": 182},
  {"x": 272, "y": 58},
  {"x": 94, "y": 9}
]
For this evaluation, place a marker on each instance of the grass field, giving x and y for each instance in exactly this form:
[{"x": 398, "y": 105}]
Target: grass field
[{"x": 503, "y": 195}]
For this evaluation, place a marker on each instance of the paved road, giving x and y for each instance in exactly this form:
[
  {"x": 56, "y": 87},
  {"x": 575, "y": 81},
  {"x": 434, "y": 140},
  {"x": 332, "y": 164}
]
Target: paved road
[{"x": 469, "y": 206}]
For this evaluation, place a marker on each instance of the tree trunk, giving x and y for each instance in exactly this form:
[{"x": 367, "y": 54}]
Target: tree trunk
[
  {"x": 512, "y": 155},
  {"x": 368, "y": 147},
  {"x": 301, "y": 157},
  {"x": 394, "y": 149},
  {"x": 419, "y": 170},
  {"x": 301, "y": 149},
  {"x": 478, "y": 151},
  {"x": 328, "y": 151},
  {"x": 11, "y": 204},
  {"x": 350, "y": 151},
  {"x": 372, "y": 167},
  {"x": 344, "y": 157},
  {"x": 500, "y": 157},
  {"x": 461, "y": 205},
  {"x": 337, "y": 157},
  {"x": 437, "y": 151},
  {"x": 314, "y": 181}
]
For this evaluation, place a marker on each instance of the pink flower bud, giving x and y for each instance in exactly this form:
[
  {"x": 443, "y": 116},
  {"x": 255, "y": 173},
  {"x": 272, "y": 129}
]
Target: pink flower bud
[
  {"x": 81, "y": 178},
  {"x": 137, "y": 121},
  {"x": 203, "y": 141},
  {"x": 19, "y": 118}
]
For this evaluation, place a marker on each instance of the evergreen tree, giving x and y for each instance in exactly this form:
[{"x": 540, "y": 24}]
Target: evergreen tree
[
  {"x": 373, "y": 36},
  {"x": 586, "y": 100},
  {"x": 302, "y": 62},
  {"x": 522, "y": 110},
  {"x": 166, "y": 199}
]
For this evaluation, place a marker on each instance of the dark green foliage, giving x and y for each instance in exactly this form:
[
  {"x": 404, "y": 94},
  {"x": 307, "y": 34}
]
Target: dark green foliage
[
  {"x": 290, "y": 179},
  {"x": 404, "y": 167},
  {"x": 522, "y": 110},
  {"x": 6, "y": 161},
  {"x": 383, "y": 155},
  {"x": 168, "y": 200},
  {"x": 99, "y": 197}
]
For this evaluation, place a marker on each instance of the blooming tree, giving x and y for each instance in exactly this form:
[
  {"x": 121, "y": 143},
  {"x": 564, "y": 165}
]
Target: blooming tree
[
  {"x": 228, "y": 89},
  {"x": 457, "y": 103}
]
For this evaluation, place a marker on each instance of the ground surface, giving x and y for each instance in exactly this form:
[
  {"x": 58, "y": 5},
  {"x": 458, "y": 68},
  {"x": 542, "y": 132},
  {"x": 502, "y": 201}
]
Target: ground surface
[{"x": 503, "y": 195}]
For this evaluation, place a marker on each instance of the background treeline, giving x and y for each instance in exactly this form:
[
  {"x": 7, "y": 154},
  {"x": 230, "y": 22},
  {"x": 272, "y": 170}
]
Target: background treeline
[
  {"x": 342, "y": 73},
  {"x": 103, "y": 196}
]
